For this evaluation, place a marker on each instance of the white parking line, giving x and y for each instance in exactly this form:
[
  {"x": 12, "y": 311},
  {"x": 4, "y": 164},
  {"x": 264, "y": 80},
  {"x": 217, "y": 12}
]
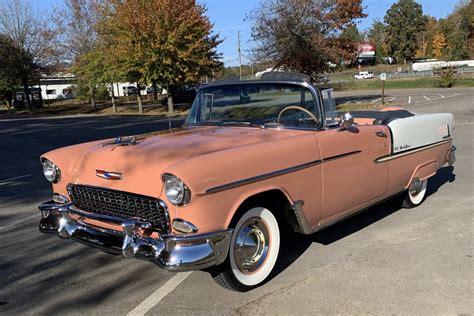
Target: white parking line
[
  {"x": 426, "y": 98},
  {"x": 409, "y": 99},
  {"x": 159, "y": 294},
  {"x": 442, "y": 96},
  {"x": 5, "y": 181},
  {"x": 391, "y": 100},
  {"x": 376, "y": 100},
  {"x": 19, "y": 221}
]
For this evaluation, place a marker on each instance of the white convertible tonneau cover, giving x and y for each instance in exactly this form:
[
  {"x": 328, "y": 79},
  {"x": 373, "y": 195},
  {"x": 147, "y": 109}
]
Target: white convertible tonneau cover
[{"x": 420, "y": 130}]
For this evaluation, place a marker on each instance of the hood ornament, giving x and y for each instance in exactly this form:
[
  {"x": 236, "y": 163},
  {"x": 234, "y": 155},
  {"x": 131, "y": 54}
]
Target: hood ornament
[
  {"x": 123, "y": 141},
  {"x": 108, "y": 175}
]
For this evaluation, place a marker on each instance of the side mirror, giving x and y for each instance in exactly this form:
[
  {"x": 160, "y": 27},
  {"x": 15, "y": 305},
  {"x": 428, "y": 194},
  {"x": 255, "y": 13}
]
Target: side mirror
[{"x": 346, "y": 121}]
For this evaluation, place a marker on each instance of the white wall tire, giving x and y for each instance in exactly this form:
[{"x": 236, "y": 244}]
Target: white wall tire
[
  {"x": 253, "y": 251},
  {"x": 415, "y": 193}
]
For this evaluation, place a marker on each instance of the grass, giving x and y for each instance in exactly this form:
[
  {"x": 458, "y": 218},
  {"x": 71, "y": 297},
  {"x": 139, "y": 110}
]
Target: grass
[{"x": 71, "y": 107}]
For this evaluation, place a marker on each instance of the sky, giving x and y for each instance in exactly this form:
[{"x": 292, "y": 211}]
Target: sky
[{"x": 229, "y": 17}]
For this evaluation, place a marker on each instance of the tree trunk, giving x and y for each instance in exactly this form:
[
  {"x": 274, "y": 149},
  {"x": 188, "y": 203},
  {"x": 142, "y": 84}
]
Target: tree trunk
[
  {"x": 26, "y": 90},
  {"x": 170, "y": 103},
  {"x": 114, "y": 107},
  {"x": 139, "y": 99},
  {"x": 92, "y": 91},
  {"x": 155, "y": 91}
]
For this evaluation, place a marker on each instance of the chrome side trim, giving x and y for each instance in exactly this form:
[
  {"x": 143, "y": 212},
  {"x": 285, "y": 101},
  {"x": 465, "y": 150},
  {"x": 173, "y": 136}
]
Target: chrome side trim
[
  {"x": 409, "y": 152},
  {"x": 277, "y": 173},
  {"x": 262, "y": 177},
  {"x": 355, "y": 152}
]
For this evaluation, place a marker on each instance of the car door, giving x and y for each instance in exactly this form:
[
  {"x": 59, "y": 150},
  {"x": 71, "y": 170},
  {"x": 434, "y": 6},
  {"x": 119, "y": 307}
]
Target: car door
[{"x": 351, "y": 178}]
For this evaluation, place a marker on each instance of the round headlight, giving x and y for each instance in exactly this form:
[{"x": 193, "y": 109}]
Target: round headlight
[
  {"x": 51, "y": 171},
  {"x": 175, "y": 190}
]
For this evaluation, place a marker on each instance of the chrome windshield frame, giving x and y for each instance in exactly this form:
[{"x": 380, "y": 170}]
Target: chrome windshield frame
[{"x": 319, "y": 112}]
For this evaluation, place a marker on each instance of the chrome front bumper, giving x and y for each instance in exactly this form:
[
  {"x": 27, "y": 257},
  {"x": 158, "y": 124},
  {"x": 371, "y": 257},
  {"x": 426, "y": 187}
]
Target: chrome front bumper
[{"x": 171, "y": 252}]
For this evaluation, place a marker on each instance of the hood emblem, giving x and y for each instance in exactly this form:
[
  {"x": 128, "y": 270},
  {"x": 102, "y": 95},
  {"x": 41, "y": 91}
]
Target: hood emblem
[{"x": 108, "y": 175}]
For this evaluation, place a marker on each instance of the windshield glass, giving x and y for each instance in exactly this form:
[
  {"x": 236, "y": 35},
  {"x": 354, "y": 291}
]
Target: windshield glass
[{"x": 250, "y": 104}]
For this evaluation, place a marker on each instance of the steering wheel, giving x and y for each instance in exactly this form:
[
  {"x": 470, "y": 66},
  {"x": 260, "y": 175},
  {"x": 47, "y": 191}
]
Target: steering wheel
[{"x": 294, "y": 107}]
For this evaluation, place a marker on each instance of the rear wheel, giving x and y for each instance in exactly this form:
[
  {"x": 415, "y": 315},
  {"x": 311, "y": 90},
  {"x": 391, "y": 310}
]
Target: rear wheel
[
  {"x": 253, "y": 251},
  {"x": 415, "y": 194}
]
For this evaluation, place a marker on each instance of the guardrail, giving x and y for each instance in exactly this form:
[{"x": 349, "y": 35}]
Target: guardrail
[{"x": 428, "y": 73}]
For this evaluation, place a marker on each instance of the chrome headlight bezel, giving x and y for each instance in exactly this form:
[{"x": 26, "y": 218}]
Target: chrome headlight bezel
[
  {"x": 176, "y": 190},
  {"x": 51, "y": 172}
]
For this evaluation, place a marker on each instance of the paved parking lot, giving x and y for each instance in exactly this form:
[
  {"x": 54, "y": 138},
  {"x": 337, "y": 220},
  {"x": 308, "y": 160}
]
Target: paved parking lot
[
  {"x": 386, "y": 260},
  {"x": 398, "y": 97}
]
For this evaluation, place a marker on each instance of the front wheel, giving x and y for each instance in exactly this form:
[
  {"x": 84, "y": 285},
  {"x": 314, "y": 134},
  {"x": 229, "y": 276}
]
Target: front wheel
[
  {"x": 253, "y": 251},
  {"x": 415, "y": 194}
]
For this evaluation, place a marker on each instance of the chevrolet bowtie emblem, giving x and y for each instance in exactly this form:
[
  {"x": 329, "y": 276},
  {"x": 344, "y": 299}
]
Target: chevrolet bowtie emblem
[{"x": 108, "y": 175}]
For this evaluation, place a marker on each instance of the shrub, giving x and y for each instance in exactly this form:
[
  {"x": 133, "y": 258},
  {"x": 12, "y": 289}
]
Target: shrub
[{"x": 447, "y": 79}]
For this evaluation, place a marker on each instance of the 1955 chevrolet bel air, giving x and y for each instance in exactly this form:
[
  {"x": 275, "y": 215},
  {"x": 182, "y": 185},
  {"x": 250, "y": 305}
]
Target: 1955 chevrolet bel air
[{"x": 253, "y": 158}]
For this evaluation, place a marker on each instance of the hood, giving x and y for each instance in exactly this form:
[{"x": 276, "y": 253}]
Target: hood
[{"x": 142, "y": 164}]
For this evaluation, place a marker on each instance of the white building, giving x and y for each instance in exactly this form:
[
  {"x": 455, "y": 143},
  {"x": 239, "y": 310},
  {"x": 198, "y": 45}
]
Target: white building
[
  {"x": 58, "y": 86},
  {"x": 61, "y": 86}
]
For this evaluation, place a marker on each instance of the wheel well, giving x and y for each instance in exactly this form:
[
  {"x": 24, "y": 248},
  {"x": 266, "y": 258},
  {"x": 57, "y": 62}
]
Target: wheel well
[{"x": 274, "y": 200}]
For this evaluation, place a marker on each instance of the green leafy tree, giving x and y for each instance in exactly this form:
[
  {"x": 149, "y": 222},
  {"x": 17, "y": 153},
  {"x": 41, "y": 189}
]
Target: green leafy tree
[
  {"x": 78, "y": 23},
  {"x": 404, "y": 21},
  {"x": 351, "y": 34},
  {"x": 377, "y": 35},
  {"x": 457, "y": 29},
  {"x": 169, "y": 42},
  {"x": 305, "y": 35},
  {"x": 29, "y": 43},
  {"x": 8, "y": 77}
]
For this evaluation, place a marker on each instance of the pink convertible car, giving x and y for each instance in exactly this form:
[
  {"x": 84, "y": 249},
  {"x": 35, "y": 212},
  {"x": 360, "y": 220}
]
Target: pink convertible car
[{"x": 253, "y": 158}]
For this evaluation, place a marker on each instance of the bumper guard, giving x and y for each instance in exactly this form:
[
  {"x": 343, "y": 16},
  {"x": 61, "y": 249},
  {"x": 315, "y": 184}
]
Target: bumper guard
[{"x": 171, "y": 252}]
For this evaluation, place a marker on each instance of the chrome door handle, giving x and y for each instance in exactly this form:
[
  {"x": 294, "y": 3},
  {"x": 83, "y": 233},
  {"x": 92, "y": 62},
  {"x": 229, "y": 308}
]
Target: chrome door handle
[{"x": 381, "y": 134}]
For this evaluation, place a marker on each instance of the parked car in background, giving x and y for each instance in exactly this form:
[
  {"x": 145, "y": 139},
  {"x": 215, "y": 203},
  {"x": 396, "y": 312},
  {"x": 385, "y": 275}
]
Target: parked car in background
[
  {"x": 364, "y": 75},
  {"x": 254, "y": 160},
  {"x": 130, "y": 90},
  {"x": 182, "y": 95}
]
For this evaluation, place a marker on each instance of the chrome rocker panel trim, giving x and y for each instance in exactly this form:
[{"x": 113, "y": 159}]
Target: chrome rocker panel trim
[{"x": 170, "y": 252}]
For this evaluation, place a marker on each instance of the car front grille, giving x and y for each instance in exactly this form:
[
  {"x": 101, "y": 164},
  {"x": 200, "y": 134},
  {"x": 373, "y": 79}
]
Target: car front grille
[{"x": 120, "y": 204}]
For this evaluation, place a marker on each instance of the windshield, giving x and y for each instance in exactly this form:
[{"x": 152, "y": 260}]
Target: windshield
[{"x": 263, "y": 104}]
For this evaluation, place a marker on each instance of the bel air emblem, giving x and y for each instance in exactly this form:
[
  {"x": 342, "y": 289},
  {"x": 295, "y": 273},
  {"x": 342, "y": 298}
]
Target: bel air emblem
[{"x": 108, "y": 175}]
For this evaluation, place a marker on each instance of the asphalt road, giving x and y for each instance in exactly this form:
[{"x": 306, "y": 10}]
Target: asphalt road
[{"x": 386, "y": 260}]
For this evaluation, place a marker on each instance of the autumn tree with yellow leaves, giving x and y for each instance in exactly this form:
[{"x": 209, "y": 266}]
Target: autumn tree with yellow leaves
[
  {"x": 169, "y": 42},
  {"x": 439, "y": 42}
]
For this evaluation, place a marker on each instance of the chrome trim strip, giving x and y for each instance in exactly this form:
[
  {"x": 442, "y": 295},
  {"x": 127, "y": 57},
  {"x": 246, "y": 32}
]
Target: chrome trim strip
[
  {"x": 342, "y": 155},
  {"x": 262, "y": 177},
  {"x": 409, "y": 152},
  {"x": 277, "y": 173}
]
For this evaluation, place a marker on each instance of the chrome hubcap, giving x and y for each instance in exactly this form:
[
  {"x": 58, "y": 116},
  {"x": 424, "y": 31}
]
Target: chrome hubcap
[
  {"x": 416, "y": 186},
  {"x": 251, "y": 245}
]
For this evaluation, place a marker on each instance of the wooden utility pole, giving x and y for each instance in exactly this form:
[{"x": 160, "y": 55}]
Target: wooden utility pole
[
  {"x": 240, "y": 54},
  {"x": 383, "y": 77}
]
